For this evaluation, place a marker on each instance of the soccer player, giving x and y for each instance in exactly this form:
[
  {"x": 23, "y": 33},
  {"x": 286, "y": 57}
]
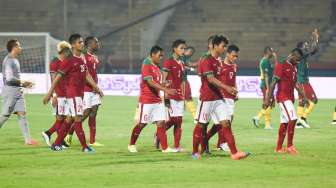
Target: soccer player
[
  {"x": 13, "y": 101},
  {"x": 76, "y": 74},
  {"x": 285, "y": 77},
  {"x": 309, "y": 49},
  {"x": 150, "y": 104},
  {"x": 91, "y": 100},
  {"x": 173, "y": 71},
  {"x": 266, "y": 74},
  {"x": 59, "y": 97},
  {"x": 227, "y": 77},
  {"x": 211, "y": 100}
]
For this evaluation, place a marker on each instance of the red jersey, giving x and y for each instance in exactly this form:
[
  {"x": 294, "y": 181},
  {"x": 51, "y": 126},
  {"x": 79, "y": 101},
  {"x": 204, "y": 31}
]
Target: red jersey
[
  {"x": 228, "y": 77},
  {"x": 287, "y": 75},
  {"x": 74, "y": 71},
  {"x": 60, "y": 89},
  {"x": 209, "y": 65},
  {"x": 175, "y": 71},
  {"x": 149, "y": 71},
  {"x": 91, "y": 64}
]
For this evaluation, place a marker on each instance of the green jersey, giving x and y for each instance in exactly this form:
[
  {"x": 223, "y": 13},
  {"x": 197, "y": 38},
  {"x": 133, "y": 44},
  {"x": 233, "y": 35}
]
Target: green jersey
[
  {"x": 266, "y": 68},
  {"x": 302, "y": 67}
]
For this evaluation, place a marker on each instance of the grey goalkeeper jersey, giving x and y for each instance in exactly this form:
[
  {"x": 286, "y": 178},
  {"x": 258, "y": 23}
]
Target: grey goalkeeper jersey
[{"x": 11, "y": 71}]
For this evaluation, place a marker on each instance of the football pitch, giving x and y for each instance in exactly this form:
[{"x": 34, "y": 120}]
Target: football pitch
[{"x": 113, "y": 166}]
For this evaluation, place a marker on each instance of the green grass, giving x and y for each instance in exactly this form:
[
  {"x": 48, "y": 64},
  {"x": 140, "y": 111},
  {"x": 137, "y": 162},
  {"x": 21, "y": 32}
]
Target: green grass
[{"x": 113, "y": 166}]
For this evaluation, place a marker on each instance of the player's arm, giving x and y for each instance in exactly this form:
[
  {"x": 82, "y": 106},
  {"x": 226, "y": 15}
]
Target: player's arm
[
  {"x": 269, "y": 92},
  {"x": 214, "y": 81},
  {"x": 93, "y": 84},
  {"x": 313, "y": 42},
  {"x": 301, "y": 92},
  {"x": 157, "y": 86},
  {"x": 51, "y": 90},
  {"x": 12, "y": 80}
]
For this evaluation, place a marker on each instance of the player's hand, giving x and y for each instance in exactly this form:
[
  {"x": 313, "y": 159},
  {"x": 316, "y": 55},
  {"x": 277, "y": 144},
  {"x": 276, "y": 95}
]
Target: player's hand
[
  {"x": 54, "y": 101},
  {"x": 315, "y": 34},
  {"x": 170, "y": 91},
  {"x": 46, "y": 99},
  {"x": 100, "y": 92},
  {"x": 27, "y": 84},
  {"x": 232, "y": 90}
]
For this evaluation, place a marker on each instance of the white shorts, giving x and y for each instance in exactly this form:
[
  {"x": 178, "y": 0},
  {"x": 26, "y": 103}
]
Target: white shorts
[
  {"x": 176, "y": 108},
  {"x": 61, "y": 106},
  {"x": 74, "y": 107},
  {"x": 229, "y": 110},
  {"x": 210, "y": 109},
  {"x": 287, "y": 111},
  {"x": 90, "y": 99},
  {"x": 149, "y": 113}
]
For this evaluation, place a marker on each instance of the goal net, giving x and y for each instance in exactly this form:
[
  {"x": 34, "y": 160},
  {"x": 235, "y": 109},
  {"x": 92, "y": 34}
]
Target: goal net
[{"x": 37, "y": 50}]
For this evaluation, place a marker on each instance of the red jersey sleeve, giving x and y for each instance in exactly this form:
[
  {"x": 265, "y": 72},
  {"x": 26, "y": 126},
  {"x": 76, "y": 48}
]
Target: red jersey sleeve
[
  {"x": 205, "y": 67},
  {"x": 53, "y": 66},
  {"x": 166, "y": 65},
  {"x": 278, "y": 70},
  {"x": 147, "y": 72},
  {"x": 65, "y": 67}
]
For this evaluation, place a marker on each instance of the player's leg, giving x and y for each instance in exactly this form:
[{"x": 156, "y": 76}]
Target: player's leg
[
  {"x": 143, "y": 119},
  {"x": 20, "y": 110},
  {"x": 59, "y": 118},
  {"x": 334, "y": 117},
  {"x": 79, "y": 126},
  {"x": 312, "y": 101},
  {"x": 8, "y": 103},
  {"x": 70, "y": 113},
  {"x": 282, "y": 130},
  {"x": 214, "y": 129},
  {"x": 203, "y": 117},
  {"x": 289, "y": 115},
  {"x": 158, "y": 115},
  {"x": 92, "y": 125},
  {"x": 176, "y": 115},
  {"x": 261, "y": 113}
]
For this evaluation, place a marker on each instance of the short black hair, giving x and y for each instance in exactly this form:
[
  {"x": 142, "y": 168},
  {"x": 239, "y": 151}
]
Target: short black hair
[
  {"x": 219, "y": 39},
  {"x": 74, "y": 37},
  {"x": 177, "y": 42},
  {"x": 233, "y": 48},
  {"x": 266, "y": 49},
  {"x": 88, "y": 40},
  {"x": 298, "y": 50},
  {"x": 211, "y": 38},
  {"x": 155, "y": 49},
  {"x": 11, "y": 44}
]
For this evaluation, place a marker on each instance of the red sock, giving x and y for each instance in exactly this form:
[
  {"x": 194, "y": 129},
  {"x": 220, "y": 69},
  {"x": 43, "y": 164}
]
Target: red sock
[
  {"x": 161, "y": 132},
  {"x": 56, "y": 126},
  {"x": 135, "y": 134},
  {"x": 221, "y": 138},
  {"x": 214, "y": 129},
  {"x": 290, "y": 133},
  {"x": 62, "y": 133},
  {"x": 228, "y": 135},
  {"x": 92, "y": 126},
  {"x": 169, "y": 123},
  {"x": 72, "y": 129},
  {"x": 281, "y": 135},
  {"x": 80, "y": 133},
  {"x": 197, "y": 137},
  {"x": 177, "y": 131}
]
